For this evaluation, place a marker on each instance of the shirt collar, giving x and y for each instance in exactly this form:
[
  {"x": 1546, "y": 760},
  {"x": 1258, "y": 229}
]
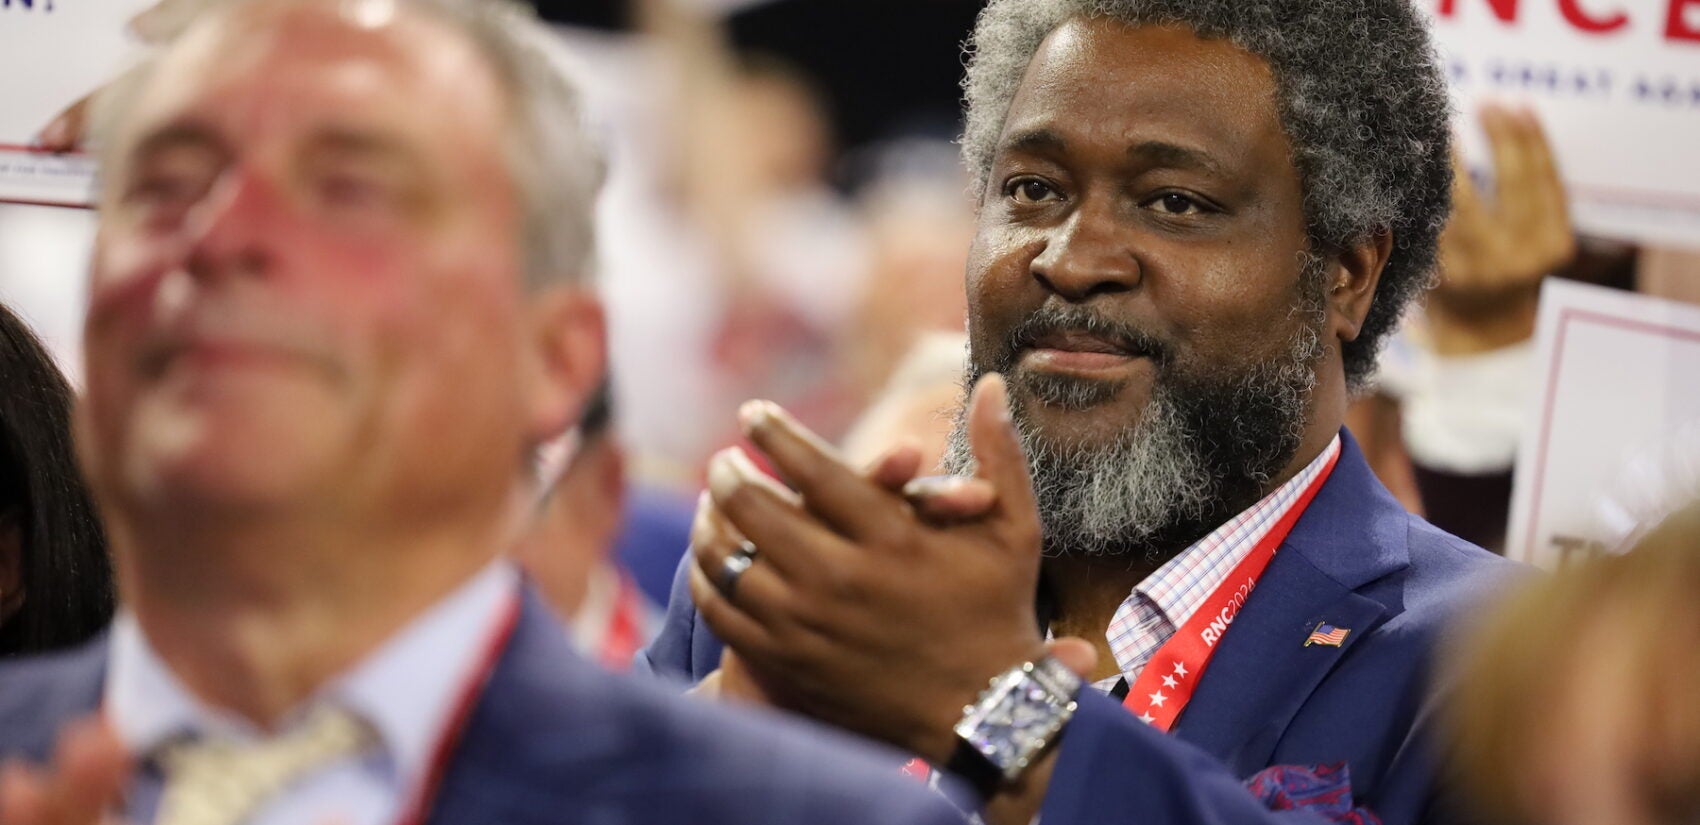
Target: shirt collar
[
  {"x": 406, "y": 689},
  {"x": 145, "y": 702},
  {"x": 1183, "y": 583}
]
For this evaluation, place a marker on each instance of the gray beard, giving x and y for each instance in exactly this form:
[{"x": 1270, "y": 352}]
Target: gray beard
[{"x": 1205, "y": 448}]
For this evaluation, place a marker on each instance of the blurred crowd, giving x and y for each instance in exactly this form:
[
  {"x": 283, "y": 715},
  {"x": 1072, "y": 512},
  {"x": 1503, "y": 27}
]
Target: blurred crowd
[{"x": 743, "y": 252}]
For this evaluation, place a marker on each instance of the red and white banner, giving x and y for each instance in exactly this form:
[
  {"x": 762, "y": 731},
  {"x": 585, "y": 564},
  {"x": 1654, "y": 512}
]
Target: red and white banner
[{"x": 1617, "y": 83}]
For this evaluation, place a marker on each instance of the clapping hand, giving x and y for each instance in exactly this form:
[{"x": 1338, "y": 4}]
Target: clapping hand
[{"x": 858, "y": 609}]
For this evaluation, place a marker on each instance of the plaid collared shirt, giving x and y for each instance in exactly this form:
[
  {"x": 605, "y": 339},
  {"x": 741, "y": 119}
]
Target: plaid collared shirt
[{"x": 1166, "y": 599}]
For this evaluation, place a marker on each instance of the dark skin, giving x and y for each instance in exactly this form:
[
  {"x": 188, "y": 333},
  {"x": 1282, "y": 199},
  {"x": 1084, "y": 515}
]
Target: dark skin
[{"x": 1143, "y": 173}]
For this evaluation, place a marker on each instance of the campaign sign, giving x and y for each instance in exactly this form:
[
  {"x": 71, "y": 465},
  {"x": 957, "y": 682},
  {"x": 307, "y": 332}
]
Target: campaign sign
[
  {"x": 1617, "y": 83},
  {"x": 1614, "y": 432},
  {"x": 52, "y": 53}
]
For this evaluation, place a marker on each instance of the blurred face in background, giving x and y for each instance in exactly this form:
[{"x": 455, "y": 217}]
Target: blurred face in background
[
  {"x": 1584, "y": 760},
  {"x": 306, "y": 291},
  {"x": 785, "y": 136},
  {"x": 1575, "y": 699},
  {"x": 919, "y": 240}
]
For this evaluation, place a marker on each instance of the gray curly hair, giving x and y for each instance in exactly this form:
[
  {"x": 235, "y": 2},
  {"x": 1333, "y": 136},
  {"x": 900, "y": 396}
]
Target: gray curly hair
[{"x": 1362, "y": 99}]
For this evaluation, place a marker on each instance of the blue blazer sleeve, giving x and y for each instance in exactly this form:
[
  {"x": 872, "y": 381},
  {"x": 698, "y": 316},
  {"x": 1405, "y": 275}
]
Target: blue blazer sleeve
[{"x": 680, "y": 653}]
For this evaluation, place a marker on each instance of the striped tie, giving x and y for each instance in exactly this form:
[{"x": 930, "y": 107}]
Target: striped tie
[{"x": 220, "y": 782}]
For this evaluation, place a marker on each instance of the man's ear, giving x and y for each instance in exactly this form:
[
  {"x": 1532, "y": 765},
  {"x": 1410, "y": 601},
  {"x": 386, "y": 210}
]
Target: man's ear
[
  {"x": 570, "y": 345},
  {"x": 1352, "y": 281}
]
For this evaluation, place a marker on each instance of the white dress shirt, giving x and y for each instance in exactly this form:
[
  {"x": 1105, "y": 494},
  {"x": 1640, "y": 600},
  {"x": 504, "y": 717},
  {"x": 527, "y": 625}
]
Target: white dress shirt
[{"x": 406, "y": 690}]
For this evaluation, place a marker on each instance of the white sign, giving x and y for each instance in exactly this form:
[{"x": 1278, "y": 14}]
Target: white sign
[
  {"x": 52, "y": 53},
  {"x": 1614, "y": 433},
  {"x": 1617, "y": 83}
]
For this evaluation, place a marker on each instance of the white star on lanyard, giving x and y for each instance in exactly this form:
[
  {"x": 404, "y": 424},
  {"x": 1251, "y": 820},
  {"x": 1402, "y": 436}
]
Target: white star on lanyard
[
  {"x": 1180, "y": 669},
  {"x": 1158, "y": 698},
  {"x": 1147, "y": 718},
  {"x": 1169, "y": 682}
]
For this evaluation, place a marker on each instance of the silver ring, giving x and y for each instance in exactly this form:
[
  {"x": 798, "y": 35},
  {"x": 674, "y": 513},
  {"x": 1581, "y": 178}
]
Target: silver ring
[{"x": 735, "y": 566}]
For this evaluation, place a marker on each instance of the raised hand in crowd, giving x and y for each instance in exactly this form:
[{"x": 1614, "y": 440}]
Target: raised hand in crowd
[
  {"x": 1500, "y": 244},
  {"x": 68, "y": 131},
  {"x": 936, "y": 500}
]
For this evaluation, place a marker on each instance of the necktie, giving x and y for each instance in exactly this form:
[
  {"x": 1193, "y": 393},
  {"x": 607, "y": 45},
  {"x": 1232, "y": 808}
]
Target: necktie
[{"x": 220, "y": 782}]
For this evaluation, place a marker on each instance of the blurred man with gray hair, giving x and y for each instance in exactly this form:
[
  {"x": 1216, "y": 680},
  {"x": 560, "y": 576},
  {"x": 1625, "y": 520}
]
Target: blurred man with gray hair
[{"x": 339, "y": 296}]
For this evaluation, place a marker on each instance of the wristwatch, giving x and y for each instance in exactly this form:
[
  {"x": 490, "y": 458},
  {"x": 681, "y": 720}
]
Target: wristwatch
[{"x": 1017, "y": 716}]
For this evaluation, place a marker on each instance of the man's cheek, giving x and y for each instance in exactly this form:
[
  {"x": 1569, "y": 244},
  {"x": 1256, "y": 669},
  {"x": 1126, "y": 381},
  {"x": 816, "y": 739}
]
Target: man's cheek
[
  {"x": 435, "y": 326},
  {"x": 126, "y": 273}
]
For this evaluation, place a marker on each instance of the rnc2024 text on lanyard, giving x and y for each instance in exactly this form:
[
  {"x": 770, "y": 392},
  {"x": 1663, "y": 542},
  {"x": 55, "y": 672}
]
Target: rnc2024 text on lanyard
[{"x": 1166, "y": 684}]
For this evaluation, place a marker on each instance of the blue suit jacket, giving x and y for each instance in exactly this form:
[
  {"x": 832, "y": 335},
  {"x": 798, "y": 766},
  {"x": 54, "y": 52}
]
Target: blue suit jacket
[
  {"x": 553, "y": 739},
  {"x": 1355, "y": 559}
]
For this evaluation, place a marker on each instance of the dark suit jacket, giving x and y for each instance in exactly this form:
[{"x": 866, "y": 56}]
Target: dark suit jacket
[
  {"x": 552, "y": 739},
  {"x": 1355, "y": 559}
]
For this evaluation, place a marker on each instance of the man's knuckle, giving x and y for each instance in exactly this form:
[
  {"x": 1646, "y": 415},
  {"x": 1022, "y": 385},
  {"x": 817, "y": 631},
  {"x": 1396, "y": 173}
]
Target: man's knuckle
[
  {"x": 841, "y": 583},
  {"x": 741, "y": 500},
  {"x": 702, "y": 537},
  {"x": 706, "y": 549},
  {"x": 895, "y": 538}
]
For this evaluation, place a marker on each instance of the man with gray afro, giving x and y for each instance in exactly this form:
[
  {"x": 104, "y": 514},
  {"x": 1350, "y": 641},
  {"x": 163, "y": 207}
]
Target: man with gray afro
[
  {"x": 1197, "y": 220},
  {"x": 340, "y": 297}
]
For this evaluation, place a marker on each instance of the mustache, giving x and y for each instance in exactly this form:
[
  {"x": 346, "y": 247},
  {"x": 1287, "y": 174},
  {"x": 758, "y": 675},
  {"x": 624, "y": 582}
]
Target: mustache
[
  {"x": 250, "y": 327},
  {"x": 1054, "y": 319}
]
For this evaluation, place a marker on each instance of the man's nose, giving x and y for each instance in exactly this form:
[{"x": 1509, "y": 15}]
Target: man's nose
[
  {"x": 1088, "y": 254},
  {"x": 231, "y": 234}
]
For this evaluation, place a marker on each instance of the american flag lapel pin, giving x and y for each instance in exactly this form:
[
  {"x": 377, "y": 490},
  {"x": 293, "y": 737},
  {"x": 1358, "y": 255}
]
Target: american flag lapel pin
[{"x": 1327, "y": 634}]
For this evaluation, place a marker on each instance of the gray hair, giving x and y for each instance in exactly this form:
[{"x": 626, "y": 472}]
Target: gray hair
[
  {"x": 556, "y": 166},
  {"x": 1362, "y": 99}
]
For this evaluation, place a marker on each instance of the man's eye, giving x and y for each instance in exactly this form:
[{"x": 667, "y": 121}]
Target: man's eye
[
  {"x": 351, "y": 191},
  {"x": 1030, "y": 190},
  {"x": 163, "y": 190},
  {"x": 163, "y": 200},
  {"x": 1174, "y": 203}
]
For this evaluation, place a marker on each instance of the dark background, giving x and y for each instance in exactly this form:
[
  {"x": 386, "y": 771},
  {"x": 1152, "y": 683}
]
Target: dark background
[{"x": 886, "y": 67}]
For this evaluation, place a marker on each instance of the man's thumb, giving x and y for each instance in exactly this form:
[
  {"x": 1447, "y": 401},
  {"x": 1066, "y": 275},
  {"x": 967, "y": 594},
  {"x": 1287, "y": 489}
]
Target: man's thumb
[{"x": 1075, "y": 653}]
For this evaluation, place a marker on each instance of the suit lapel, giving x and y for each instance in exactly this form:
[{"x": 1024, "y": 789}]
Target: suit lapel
[
  {"x": 527, "y": 744},
  {"x": 1263, "y": 671},
  {"x": 1352, "y": 534},
  {"x": 41, "y": 694}
]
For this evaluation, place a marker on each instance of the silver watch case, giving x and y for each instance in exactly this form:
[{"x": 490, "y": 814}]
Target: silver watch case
[{"x": 1019, "y": 714}]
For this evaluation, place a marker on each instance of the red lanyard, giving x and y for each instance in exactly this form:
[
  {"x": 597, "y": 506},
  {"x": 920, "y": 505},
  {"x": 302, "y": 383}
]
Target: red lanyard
[
  {"x": 623, "y": 637},
  {"x": 1165, "y": 685},
  {"x": 471, "y": 689}
]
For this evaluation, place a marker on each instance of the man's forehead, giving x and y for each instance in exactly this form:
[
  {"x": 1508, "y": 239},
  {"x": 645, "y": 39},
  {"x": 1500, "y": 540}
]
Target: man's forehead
[
  {"x": 1156, "y": 59},
  {"x": 1096, "y": 73},
  {"x": 390, "y": 43},
  {"x": 1107, "y": 42},
  {"x": 317, "y": 29}
]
